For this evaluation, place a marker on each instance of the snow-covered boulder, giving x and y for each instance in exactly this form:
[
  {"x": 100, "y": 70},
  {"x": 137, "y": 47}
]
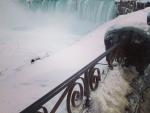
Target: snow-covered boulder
[{"x": 134, "y": 42}]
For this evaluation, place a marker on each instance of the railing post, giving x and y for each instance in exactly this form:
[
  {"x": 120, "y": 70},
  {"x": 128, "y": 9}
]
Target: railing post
[{"x": 87, "y": 89}]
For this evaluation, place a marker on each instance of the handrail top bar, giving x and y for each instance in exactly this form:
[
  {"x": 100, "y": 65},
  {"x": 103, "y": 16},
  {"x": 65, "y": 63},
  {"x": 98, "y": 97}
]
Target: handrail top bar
[{"x": 59, "y": 88}]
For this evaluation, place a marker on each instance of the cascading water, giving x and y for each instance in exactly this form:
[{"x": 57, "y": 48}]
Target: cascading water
[
  {"x": 84, "y": 15},
  {"x": 97, "y": 11}
]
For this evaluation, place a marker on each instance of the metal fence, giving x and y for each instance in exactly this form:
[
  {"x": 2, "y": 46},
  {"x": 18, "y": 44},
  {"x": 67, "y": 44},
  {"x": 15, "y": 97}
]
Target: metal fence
[{"x": 89, "y": 77}]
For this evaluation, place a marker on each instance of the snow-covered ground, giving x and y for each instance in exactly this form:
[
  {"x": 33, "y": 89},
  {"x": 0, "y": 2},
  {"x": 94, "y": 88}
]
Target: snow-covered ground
[{"x": 22, "y": 83}]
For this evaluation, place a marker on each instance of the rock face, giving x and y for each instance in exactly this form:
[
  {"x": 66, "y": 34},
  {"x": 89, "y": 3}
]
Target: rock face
[
  {"x": 128, "y": 6},
  {"x": 123, "y": 91},
  {"x": 139, "y": 98},
  {"x": 148, "y": 19},
  {"x": 134, "y": 49}
]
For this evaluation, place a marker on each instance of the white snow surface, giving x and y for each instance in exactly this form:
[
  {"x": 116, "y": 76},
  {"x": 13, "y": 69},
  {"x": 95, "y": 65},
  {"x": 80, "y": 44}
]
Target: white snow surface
[{"x": 21, "y": 85}]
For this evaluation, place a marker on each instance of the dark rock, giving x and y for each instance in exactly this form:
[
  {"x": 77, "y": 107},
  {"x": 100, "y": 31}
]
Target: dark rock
[
  {"x": 34, "y": 59},
  {"x": 148, "y": 19},
  {"x": 134, "y": 49}
]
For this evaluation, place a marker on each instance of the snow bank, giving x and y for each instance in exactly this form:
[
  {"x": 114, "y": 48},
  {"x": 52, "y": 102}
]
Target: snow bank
[
  {"x": 136, "y": 19},
  {"x": 110, "y": 96}
]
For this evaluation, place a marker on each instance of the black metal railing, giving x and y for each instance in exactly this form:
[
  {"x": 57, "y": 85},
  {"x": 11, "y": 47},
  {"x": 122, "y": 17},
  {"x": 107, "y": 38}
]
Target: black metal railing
[{"x": 89, "y": 77}]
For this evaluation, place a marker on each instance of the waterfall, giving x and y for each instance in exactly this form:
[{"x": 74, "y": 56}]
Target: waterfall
[{"x": 98, "y": 11}]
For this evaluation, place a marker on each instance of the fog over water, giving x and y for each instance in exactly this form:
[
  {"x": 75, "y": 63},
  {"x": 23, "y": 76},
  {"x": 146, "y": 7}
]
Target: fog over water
[
  {"x": 75, "y": 14},
  {"x": 39, "y": 28}
]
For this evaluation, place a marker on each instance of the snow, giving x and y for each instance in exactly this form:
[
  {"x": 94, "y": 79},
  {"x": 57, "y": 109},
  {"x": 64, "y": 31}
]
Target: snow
[
  {"x": 21, "y": 85},
  {"x": 110, "y": 97},
  {"x": 136, "y": 19}
]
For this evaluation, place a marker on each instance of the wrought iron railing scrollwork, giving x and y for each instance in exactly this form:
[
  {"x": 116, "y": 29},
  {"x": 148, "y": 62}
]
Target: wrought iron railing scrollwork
[{"x": 76, "y": 89}]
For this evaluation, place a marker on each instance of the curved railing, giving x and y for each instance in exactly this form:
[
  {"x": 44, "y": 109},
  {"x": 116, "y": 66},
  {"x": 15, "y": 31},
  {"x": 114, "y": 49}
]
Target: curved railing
[{"x": 76, "y": 89}]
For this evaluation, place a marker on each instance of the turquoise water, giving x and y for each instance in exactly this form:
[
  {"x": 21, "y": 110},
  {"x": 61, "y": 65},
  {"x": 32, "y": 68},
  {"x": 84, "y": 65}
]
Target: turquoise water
[{"x": 88, "y": 13}]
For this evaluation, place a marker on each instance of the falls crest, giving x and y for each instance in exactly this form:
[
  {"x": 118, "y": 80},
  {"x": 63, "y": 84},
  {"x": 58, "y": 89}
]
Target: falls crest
[{"x": 97, "y": 11}]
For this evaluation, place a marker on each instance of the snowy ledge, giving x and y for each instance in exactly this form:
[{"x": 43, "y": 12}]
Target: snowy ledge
[{"x": 24, "y": 87}]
